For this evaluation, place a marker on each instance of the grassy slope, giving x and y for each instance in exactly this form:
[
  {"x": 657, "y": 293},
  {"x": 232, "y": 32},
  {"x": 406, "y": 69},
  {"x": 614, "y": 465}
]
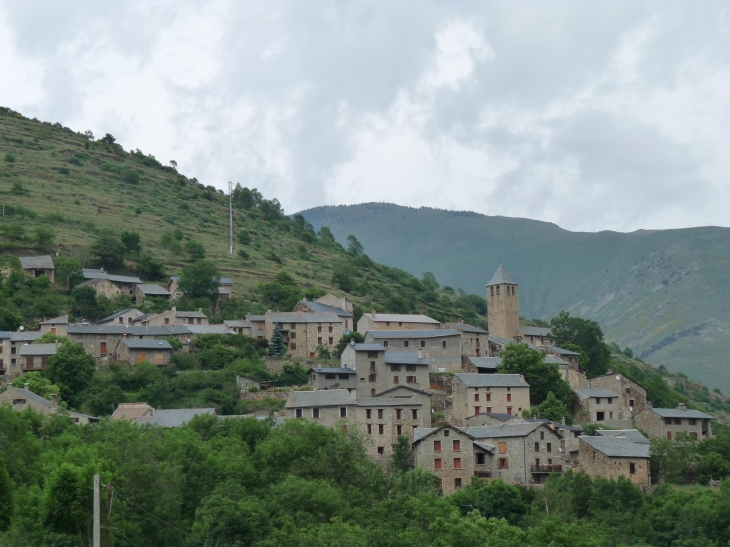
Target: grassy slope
[{"x": 663, "y": 293}]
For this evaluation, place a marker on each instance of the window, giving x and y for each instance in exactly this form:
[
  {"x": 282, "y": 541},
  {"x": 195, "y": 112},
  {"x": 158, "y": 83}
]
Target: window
[
  {"x": 372, "y": 366},
  {"x": 480, "y": 459},
  {"x": 385, "y": 344},
  {"x": 331, "y": 340},
  {"x": 18, "y": 401},
  {"x": 372, "y": 355},
  {"x": 498, "y": 287},
  {"x": 380, "y": 414},
  {"x": 594, "y": 455},
  {"x": 414, "y": 414},
  {"x": 319, "y": 340},
  {"x": 437, "y": 446},
  {"x": 549, "y": 447},
  {"x": 631, "y": 403},
  {"x": 537, "y": 447},
  {"x": 457, "y": 483},
  {"x": 632, "y": 468},
  {"x": 406, "y": 343},
  {"x": 667, "y": 421},
  {"x": 370, "y": 429},
  {"x": 610, "y": 400},
  {"x": 372, "y": 378},
  {"x": 693, "y": 421},
  {"x": 542, "y": 435},
  {"x": 610, "y": 415},
  {"x": 330, "y": 328},
  {"x": 476, "y": 397},
  {"x": 399, "y": 430},
  {"x": 292, "y": 335},
  {"x": 387, "y": 323},
  {"x": 398, "y": 412},
  {"x": 627, "y": 390},
  {"x": 190, "y": 320},
  {"x": 330, "y": 376},
  {"x": 315, "y": 413},
  {"x": 368, "y": 413},
  {"x": 489, "y": 410},
  {"x": 298, "y": 412},
  {"x": 446, "y": 432},
  {"x": 502, "y": 447},
  {"x": 319, "y": 329},
  {"x": 343, "y": 412},
  {"x": 410, "y": 379},
  {"x": 381, "y": 429},
  {"x": 423, "y": 343},
  {"x": 437, "y": 463},
  {"x": 381, "y": 450},
  {"x": 492, "y": 291},
  {"x": 400, "y": 324},
  {"x": 476, "y": 410},
  {"x": 372, "y": 392},
  {"x": 502, "y": 463},
  {"x": 598, "y": 400},
  {"x": 443, "y": 344},
  {"x": 343, "y": 376},
  {"x": 394, "y": 368},
  {"x": 395, "y": 380},
  {"x": 677, "y": 421},
  {"x": 410, "y": 368},
  {"x": 457, "y": 445},
  {"x": 600, "y": 416},
  {"x": 489, "y": 397},
  {"x": 509, "y": 397},
  {"x": 293, "y": 345},
  {"x": 457, "y": 463}
]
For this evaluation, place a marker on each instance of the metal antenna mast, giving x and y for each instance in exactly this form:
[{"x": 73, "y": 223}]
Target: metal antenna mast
[{"x": 230, "y": 217}]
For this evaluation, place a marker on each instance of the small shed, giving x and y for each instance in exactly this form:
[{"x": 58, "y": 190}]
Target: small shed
[
  {"x": 245, "y": 382},
  {"x": 36, "y": 266}
]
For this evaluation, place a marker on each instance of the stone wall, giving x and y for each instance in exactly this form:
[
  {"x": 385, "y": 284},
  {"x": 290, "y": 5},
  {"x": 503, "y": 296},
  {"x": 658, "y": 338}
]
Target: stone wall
[
  {"x": 442, "y": 380},
  {"x": 426, "y": 456},
  {"x": 628, "y": 391},
  {"x": 596, "y": 464},
  {"x": 260, "y": 395},
  {"x": 503, "y": 311}
]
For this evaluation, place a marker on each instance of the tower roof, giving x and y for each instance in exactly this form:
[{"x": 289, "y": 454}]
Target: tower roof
[{"x": 501, "y": 277}]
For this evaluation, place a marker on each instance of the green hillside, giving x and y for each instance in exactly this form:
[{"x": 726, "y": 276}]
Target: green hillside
[{"x": 663, "y": 292}]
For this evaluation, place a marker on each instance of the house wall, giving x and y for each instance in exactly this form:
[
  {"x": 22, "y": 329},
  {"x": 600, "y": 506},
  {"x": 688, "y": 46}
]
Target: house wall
[
  {"x": 423, "y": 398},
  {"x": 474, "y": 344},
  {"x": 307, "y": 337},
  {"x": 503, "y": 311},
  {"x": 448, "y": 358},
  {"x": 465, "y": 402},
  {"x": 171, "y": 316},
  {"x": 628, "y": 390},
  {"x": 336, "y": 301},
  {"x": 12, "y": 394},
  {"x": 104, "y": 287},
  {"x": 367, "y": 323},
  {"x": 425, "y": 456},
  {"x": 521, "y": 455},
  {"x": 365, "y": 387},
  {"x": 154, "y": 356},
  {"x": 573, "y": 376},
  {"x": 596, "y": 464},
  {"x": 58, "y": 330},
  {"x": 655, "y": 426},
  {"x": 592, "y": 407},
  {"x": 318, "y": 380}
]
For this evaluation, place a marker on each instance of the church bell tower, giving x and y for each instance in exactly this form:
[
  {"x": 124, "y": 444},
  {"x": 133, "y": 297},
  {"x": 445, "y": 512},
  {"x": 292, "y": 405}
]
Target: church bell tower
[{"x": 503, "y": 305}]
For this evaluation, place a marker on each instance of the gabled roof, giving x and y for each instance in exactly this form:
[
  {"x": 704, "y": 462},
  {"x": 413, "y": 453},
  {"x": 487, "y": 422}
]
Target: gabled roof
[
  {"x": 45, "y": 402},
  {"x": 209, "y": 329},
  {"x": 174, "y": 417},
  {"x": 507, "y": 341},
  {"x": 256, "y": 317},
  {"x": 501, "y": 277},
  {"x": 225, "y": 281},
  {"x": 464, "y": 327},
  {"x": 435, "y": 333},
  {"x": 113, "y": 316},
  {"x": 509, "y": 429},
  {"x": 534, "y": 331},
  {"x": 409, "y": 388},
  {"x": 40, "y": 350},
  {"x": 405, "y": 358},
  {"x": 617, "y": 447},
  {"x": 554, "y": 359},
  {"x": 63, "y": 320},
  {"x": 25, "y": 336},
  {"x": 326, "y": 308},
  {"x": 132, "y": 411},
  {"x": 98, "y": 274},
  {"x": 584, "y": 393},
  {"x": 420, "y": 433},
  {"x": 238, "y": 323},
  {"x": 633, "y": 435},
  {"x": 152, "y": 290},
  {"x": 679, "y": 413},
  {"x": 302, "y": 317},
  {"x": 44, "y": 262},
  {"x": 561, "y": 351},
  {"x": 492, "y": 380},
  {"x": 333, "y": 370},
  {"x": 401, "y": 318},
  {"x": 386, "y": 401},
  {"x": 367, "y": 347},
  {"x": 325, "y": 397},
  {"x": 130, "y": 331},
  {"x": 490, "y": 363},
  {"x": 186, "y": 314},
  {"x": 4, "y": 335},
  {"x": 136, "y": 343},
  {"x": 485, "y": 446}
]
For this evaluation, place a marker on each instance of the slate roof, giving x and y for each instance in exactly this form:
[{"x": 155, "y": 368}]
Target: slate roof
[
  {"x": 485, "y": 446},
  {"x": 39, "y": 349},
  {"x": 492, "y": 380},
  {"x": 301, "y": 317},
  {"x": 45, "y": 402},
  {"x": 506, "y": 341},
  {"x": 209, "y": 329},
  {"x": 236, "y": 323},
  {"x": 678, "y": 413},
  {"x": 142, "y": 317},
  {"x": 187, "y": 314},
  {"x": 633, "y": 435},
  {"x": 98, "y": 274},
  {"x": 554, "y": 359},
  {"x": 113, "y": 316},
  {"x": 326, "y": 308},
  {"x": 435, "y": 333},
  {"x": 386, "y": 401},
  {"x": 4, "y": 335},
  {"x": 490, "y": 363},
  {"x": 175, "y": 278},
  {"x": 131, "y": 331},
  {"x": 44, "y": 262},
  {"x": 519, "y": 429},
  {"x": 617, "y": 447},
  {"x": 402, "y": 318},
  {"x": 136, "y": 343},
  {"x": 25, "y": 336},
  {"x": 225, "y": 281},
  {"x": 333, "y": 370},
  {"x": 131, "y": 411},
  {"x": 534, "y": 331},
  {"x": 405, "y": 358},
  {"x": 561, "y": 351},
  {"x": 367, "y": 347},
  {"x": 465, "y": 327},
  {"x": 63, "y": 320},
  {"x": 501, "y": 277},
  {"x": 584, "y": 393},
  {"x": 419, "y": 433},
  {"x": 256, "y": 317},
  {"x": 326, "y": 397},
  {"x": 409, "y": 388},
  {"x": 152, "y": 289},
  {"x": 174, "y": 417}
]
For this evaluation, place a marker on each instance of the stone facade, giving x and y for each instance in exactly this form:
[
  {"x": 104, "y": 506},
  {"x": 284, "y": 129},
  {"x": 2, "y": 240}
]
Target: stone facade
[
  {"x": 596, "y": 463},
  {"x": 667, "y": 423},
  {"x": 441, "y": 347},
  {"x": 599, "y": 405},
  {"x": 503, "y": 305},
  {"x": 575, "y": 378},
  {"x": 492, "y": 393},
  {"x": 57, "y": 325},
  {"x": 333, "y": 378},
  {"x": 420, "y": 396},
  {"x": 474, "y": 341},
  {"x": 20, "y": 399},
  {"x": 174, "y": 317},
  {"x": 304, "y": 332},
  {"x": 448, "y": 453},
  {"x": 632, "y": 397},
  {"x": 336, "y": 301},
  {"x": 134, "y": 351},
  {"x": 394, "y": 321},
  {"x": 104, "y": 287},
  {"x": 125, "y": 317},
  {"x": 103, "y": 343}
]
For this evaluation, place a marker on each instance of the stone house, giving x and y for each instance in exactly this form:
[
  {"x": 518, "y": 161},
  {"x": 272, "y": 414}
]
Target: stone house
[
  {"x": 632, "y": 397},
  {"x": 56, "y": 326},
  {"x": 175, "y": 317},
  {"x": 601, "y": 406},
  {"x": 21, "y": 398},
  {"x": 333, "y": 378},
  {"x": 238, "y": 326},
  {"x": 503, "y": 306},
  {"x": 144, "y": 290},
  {"x": 497, "y": 344},
  {"x": 304, "y": 332},
  {"x": 104, "y": 342},
  {"x": 570, "y": 373},
  {"x": 570, "y": 357},
  {"x": 614, "y": 457},
  {"x": 474, "y": 340},
  {"x": 134, "y": 350},
  {"x": 34, "y": 357},
  {"x": 225, "y": 287},
  {"x": 408, "y": 392},
  {"x": 257, "y": 326},
  {"x": 666, "y": 423},
  {"x": 394, "y": 321},
  {"x": 492, "y": 393},
  {"x": 452, "y": 454},
  {"x": 173, "y": 417},
  {"x": 336, "y": 302},
  {"x": 483, "y": 365},
  {"x": 36, "y": 266},
  {"x": 245, "y": 382},
  {"x": 132, "y": 411},
  {"x": 368, "y": 361},
  {"x": 538, "y": 336},
  {"x": 124, "y": 317},
  {"x": 10, "y": 344},
  {"x": 316, "y": 306},
  {"x": 4, "y": 352},
  {"x": 110, "y": 285},
  {"x": 441, "y": 347}
]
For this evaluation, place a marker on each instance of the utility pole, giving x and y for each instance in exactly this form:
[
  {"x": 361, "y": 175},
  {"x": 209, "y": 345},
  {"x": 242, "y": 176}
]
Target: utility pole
[
  {"x": 108, "y": 510},
  {"x": 230, "y": 217},
  {"x": 97, "y": 517}
]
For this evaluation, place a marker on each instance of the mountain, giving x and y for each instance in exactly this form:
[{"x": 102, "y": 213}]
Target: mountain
[{"x": 664, "y": 293}]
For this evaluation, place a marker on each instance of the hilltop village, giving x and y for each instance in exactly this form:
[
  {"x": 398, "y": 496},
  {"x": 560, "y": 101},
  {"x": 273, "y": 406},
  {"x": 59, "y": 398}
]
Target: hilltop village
[{"x": 439, "y": 387}]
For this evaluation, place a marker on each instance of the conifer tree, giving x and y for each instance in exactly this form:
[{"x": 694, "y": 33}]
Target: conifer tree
[{"x": 276, "y": 345}]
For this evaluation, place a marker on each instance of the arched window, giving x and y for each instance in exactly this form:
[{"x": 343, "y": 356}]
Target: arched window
[
  {"x": 492, "y": 288},
  {"x": 497, "y": 289}
]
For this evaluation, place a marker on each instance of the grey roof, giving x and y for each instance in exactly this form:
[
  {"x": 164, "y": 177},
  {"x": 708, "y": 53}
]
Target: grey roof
[
  {"x": 174, "y": 417},
  {"x": 420, "y": 432},
  {"x": 401, "y": 318},
  {"x": 209, "y": 329},
  {"x": 485, "y": 446},
  {"x": 25, "y": 336},
  {"x": 333, "y": 370},
  {"x": 39, "y": 349},
  {"x": 152, "y": 289},
  {"x": 98, "y": 274},
  {"x": 633, "y": 435},
  {"x": 4, "y": 335},
  {"x": 113, "y": 316},
  {"x": 561, "y": 351},
  {"x": 326, "y": 308},
  {"x": 587, "y": 393},
  {"x": 405, "y": 358},
  {"x": 435, "y": 333},
  {"x": 409, "y": 388},
  {"x": 225, "y": 281},
  {"x": 386, "y": 401},
  {"x": 367, "y": 347},
  {"x": 142, "y": 317},
  {"x": 518, "y": 429},
  {"x": 498, "y": 416},
  {"x": 492, "y": 380},
  {"x": 256, "y": 317},
  {"x": 326, "y": 397},
  {"x": 136, "y": 343},
  {"x": 44, "y": 262},
  {"x": 131, "y": 331},
  {"x": 486, "y": 362},
  {"x": 554, "y": 359},
  {"x": 617, "y": 447},
  {"x": 678, "y": 413},
  {"x": 238, "y": 323},
  {"x": 186, "y": 314},
  {"x": 63, "y": 320},
  {"x": 501, "y": 277},
  {"x": 534, "y": 331},
  {"x": 302, "y": 317},
  {"x": 175, "y": 278},
  {"x": 507, "y": 341},
  {"x": 465, "y": 327},
  {"x": 45, "y": 402}
]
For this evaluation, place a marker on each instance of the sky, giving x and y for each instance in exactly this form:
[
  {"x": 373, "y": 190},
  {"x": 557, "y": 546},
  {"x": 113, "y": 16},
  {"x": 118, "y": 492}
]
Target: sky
[{"x": 592, "y": 115}]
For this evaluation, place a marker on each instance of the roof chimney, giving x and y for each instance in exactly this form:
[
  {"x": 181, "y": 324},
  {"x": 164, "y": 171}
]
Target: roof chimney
[
  {"x": 174, "y": 308},
  {"x": 352, "y": 342},
  {"x": 173, "y": 328},
  {"x": 54, "y": 400},
  {"x": 562, "y": 420},
  {"x": 200, "y": 310},
  {"x": 147, "y": 326},
  {"x": 682, "y": 406},
  {"x": 26, "y": 385},
  {"x": 609, "y": 371}
]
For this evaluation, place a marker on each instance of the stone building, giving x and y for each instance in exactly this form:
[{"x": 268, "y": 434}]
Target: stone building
[
  {"x": 474, "y": 340},
  {"x": 378, "y": 370},
  {"x": 570, "y": 357},
  {"x": 110, "y": 285},
  {"x": 304, "y": 332},
  {"x": 225, "y": 287},
  {"x": 336, "y": 302},
  {"x": 497, "y": 344},
  {"x": 503, "y": 309},
  {"x": 34, "y": 357},
  {"x": 56, "y": 326},
  {"x": 124, "y": 317},
  {"x": 601, "y": 406},
  {"x": 408, "y": 392},
  {"x": 395, "y": 321},
  {"x": 333, "y": 378},
  {"x": 246, "y": 382},
  {"x": 21, "y": 398},
  {"x": 666, "y": 423},
  {"x": 538, "y": 336},
  {"x": 483, "y": 365},
  {"x": 317, "y": 306},
  {"x": 132, "y": 411},
  {"x": 492, "y": 393},
  {"x": 441, "y": 347},
  {"x": 144, "y": 290},
  {"x": 237, "y": 326},
  {"x": 174, "y": 317},
  {"x": 632, "y": 397},
  {"x": 104, "y": 342},
  {"x": 257, "y": 326},
  {"x": 614, "y": 457},
  {"x": 36, "y": 266},
  {"x": 10, "y": 345},
  {"x": 134, "y": 350}
]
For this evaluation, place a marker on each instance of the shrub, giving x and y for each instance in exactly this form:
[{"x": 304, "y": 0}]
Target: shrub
[
  {"x": 129, "y": 176},
  {"x": 244, "y": 238},
  {"x": 253, "y": 389},
  {"x": 64, "y": 171},
  {"x": 10, "y": 158}
]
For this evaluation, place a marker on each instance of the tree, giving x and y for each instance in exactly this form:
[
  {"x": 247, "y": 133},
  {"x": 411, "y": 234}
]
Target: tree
[
  {"x": 429, "y": 281},
  {"x": 402, "y": 460},
  {"x": 276, "y": 345},
  {"x": 71, "y": 369},
  {"x": 200, "y": 280},
  {"x": 85, "y": 298},
  {"x": 109, "y": 250},
  {"x": 550, "y": 409},
  {"x": 170, "y": 243},
  {"x": 10, "y": 320},
  {"x": 345, "y": 340},
  {"x": 587, "y": 335},
  {"x": 13, "y": 232},
  {"x": 38, "y": 384},
  {"x": 149, "y": 268},
  {"x": 131, "y": 240},
  {"x": 6, "y": 497},
  {"x": 44, "y": 238},
  {"x": 325, "y": 234},
  {"x": 108, "y": 138},
  {"x": 354, "y": 247},
  {"x": 195, "y": 250},
  {"x": 68, "y": 270}
]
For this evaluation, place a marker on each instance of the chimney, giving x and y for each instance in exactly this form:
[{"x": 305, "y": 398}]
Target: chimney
[
  {"x": 609, "y": 371},
  {"x": 291, "y": 395},
  {"x": 649, "y": 404},
  {"x": 304, "y": 299},
  {"x": 373, "y": 312},
  {"x": 200, "y": 310},
  {"x": 269, "y": 311},
  {"x": 420, "y": 354},
  {"x": 562, "y": 420},
  {"x": 522, "y": 377},
  {"x": 173, "y": 328},
  {"x": 352, "y": 342},
  {"x": 147, "y": 326},
  {"x": 54, "y": 400},
  {"x": 682, "y": 406},
  {"x": 353, "y": 396},
  {"x": 26, "y": 385}
]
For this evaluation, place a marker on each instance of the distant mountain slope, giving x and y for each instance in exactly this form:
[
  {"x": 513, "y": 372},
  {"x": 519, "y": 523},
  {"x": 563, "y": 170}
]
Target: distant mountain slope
[{"x": 664, "y": 293}]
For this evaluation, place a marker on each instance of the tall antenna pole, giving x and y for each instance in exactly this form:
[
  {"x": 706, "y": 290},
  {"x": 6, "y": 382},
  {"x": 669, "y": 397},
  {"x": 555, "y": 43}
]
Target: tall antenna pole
[{"x": 230, "y": 217}]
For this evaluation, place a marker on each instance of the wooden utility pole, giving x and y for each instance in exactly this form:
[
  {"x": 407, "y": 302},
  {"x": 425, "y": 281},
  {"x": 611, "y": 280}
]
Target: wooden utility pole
[
  {"x": 108, "y": 510},
  {"x": 96, "y": 540}
]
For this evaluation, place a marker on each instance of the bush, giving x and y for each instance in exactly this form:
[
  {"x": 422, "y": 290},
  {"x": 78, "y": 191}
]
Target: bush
[
  {"x": 244, "y": 238},
  {"x": 10, "y": 158},
  {"x": 64, "y": 171},
  {"x": 129, "y": 176}
]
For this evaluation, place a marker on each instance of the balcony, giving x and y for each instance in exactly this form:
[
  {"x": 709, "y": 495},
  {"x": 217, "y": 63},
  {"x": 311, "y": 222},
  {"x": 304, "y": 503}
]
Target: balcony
[{"x": 547, "y": 468}]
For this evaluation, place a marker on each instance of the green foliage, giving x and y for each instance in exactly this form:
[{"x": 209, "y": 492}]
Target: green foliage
[
  {"x": 550, "y": 409},
  {"x": 280, "y": 296},
  {"x": 429, "y": 281},
  {"x": 10, "y": 158},
  {"x": 402, "y": 459},
  {"x": 71, "y": 369},
  {"x": 345, "y": 340},
  {"x": 131, "y": 242},
  {"x": 587, "y": 335},
  {"x": 44, "y": 238},
  {"x": 13, "y": 232},
  {"x": 200, "y": 280},
  {"x": 10, "y": 320},
  {"x": 171, "y": 243},
  {"x": 195, "y": 250},
  {"x": 354, "y": 248},
  {"x": 37, "y": 383},
  {"x": 150, "y": 268},
  {"x": 276, "y": 344},
  {"x": 244, "y": 238},
  {"x": 109, "y": 250}
]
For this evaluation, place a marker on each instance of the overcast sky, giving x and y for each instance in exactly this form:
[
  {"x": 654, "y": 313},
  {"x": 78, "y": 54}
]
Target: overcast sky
[{"x": 593, "y": 115}]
